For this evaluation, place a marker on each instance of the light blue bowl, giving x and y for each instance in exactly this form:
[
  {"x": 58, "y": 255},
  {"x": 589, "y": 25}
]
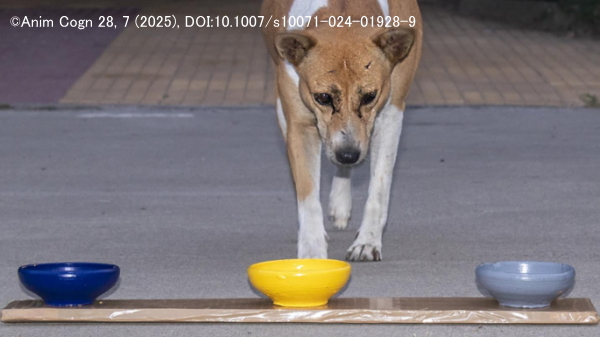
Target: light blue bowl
[{"x": 525, "y": 284}]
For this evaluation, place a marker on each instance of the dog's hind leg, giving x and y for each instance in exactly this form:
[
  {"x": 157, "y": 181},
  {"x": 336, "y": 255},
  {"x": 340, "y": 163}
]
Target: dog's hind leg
[
  {"x": 384, "y": 147},
  {"x": 340, "y": 198}
]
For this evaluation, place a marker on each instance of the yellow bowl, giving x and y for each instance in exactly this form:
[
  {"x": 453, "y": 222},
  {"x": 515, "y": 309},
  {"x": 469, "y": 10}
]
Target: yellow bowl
[{"x": 301, "y": 282}]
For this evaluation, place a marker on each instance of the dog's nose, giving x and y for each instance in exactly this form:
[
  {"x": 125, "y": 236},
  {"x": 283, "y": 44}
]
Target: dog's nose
[{"x": 347, "y": 156}]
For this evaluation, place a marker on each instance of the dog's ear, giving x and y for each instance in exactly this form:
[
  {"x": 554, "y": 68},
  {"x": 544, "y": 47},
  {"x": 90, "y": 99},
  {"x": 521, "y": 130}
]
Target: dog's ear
[
  {"x": 395, "y": 43},
  {"x": 293, "y": 47}
]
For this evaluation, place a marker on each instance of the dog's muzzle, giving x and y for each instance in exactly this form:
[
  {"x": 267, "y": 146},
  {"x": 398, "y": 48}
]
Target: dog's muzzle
[{"x": 347, "y": 156}]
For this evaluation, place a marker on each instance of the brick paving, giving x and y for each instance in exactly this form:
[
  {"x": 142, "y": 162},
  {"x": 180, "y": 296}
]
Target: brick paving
[
  {"x": 465, "y": 62},
  {"x": 188, "y": 66}
]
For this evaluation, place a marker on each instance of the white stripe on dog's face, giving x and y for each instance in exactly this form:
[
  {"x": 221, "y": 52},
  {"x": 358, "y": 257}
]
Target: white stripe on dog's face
[{"x": 302, "y": 8}]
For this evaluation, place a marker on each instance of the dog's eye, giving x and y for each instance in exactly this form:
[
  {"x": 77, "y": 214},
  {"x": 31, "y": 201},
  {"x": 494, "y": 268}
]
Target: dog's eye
[
  {"x": 368, "y": 98},
  {"x": 323, "y": 99}
]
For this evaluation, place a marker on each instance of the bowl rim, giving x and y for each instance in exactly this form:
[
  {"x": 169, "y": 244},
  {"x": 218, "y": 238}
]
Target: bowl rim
[
  {"x": 259, "y": 266},
  {"x": 51, "y": 268},
  {"x": 487, "y": 270}
]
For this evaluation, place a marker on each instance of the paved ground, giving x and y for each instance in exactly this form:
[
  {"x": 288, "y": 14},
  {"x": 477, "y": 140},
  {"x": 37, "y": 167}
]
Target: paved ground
[
  {"x": 465, "y": 61},
  {"x": 185, "y": 200}
]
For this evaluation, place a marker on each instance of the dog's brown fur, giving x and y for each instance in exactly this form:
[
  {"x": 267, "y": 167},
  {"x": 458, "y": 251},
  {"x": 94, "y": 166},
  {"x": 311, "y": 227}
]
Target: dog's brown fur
[{"x": 346, "y": 63}]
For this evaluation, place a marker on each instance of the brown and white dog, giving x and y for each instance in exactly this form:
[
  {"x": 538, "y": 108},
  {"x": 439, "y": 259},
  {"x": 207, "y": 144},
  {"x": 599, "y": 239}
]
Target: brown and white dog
[{"x": 343, "y": 87}]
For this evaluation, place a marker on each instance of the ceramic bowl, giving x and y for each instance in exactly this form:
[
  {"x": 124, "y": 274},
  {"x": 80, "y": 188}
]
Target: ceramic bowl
[
  {"x": 525, "y": 284},
  {"x": 69, "y": 283},
  {"x": 301, "y": 282}
]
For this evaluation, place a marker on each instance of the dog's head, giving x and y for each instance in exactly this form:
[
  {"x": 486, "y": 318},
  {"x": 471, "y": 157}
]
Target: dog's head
[{"x": 345, "y": 82}]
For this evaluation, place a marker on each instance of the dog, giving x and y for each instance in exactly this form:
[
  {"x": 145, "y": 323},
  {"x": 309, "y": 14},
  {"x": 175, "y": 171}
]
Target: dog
[{"x": 342, "y": 88}]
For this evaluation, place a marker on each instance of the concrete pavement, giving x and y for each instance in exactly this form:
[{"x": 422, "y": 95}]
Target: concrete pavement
[{"x": 185, "y": 199}]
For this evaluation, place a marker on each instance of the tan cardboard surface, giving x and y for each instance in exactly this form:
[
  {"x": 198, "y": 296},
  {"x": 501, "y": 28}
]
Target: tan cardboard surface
[{"x": 339, "y": 310}]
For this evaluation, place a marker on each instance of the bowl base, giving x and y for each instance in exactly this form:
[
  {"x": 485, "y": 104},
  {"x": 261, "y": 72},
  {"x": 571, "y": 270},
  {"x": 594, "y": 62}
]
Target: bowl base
[
  {"x": 301, "y": 304},
  {"x": 524, "y": 305},
  {"x": 68, "y": 303}
]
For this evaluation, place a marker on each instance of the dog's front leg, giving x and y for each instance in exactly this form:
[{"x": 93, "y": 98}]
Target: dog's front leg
[
  {"x": 384, "y": 147},
  {"x": 304, "y": 153}
]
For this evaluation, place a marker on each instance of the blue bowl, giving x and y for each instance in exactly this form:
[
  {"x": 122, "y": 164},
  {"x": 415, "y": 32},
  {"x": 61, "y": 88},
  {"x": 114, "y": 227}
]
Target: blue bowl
[
  {"x": 69, "y": 284},
  {"x": 525, "y": 284}
]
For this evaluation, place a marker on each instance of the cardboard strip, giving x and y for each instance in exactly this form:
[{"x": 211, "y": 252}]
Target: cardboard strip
[{"x": 339, "y": 310}]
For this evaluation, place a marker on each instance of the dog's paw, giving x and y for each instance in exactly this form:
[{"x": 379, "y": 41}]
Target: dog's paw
[
  {"x": 339, "y": 212},
  {"x": 364, "y": 252},
  {"x": 339, "y": 221},
  {"x": 312, "y": 246}
]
